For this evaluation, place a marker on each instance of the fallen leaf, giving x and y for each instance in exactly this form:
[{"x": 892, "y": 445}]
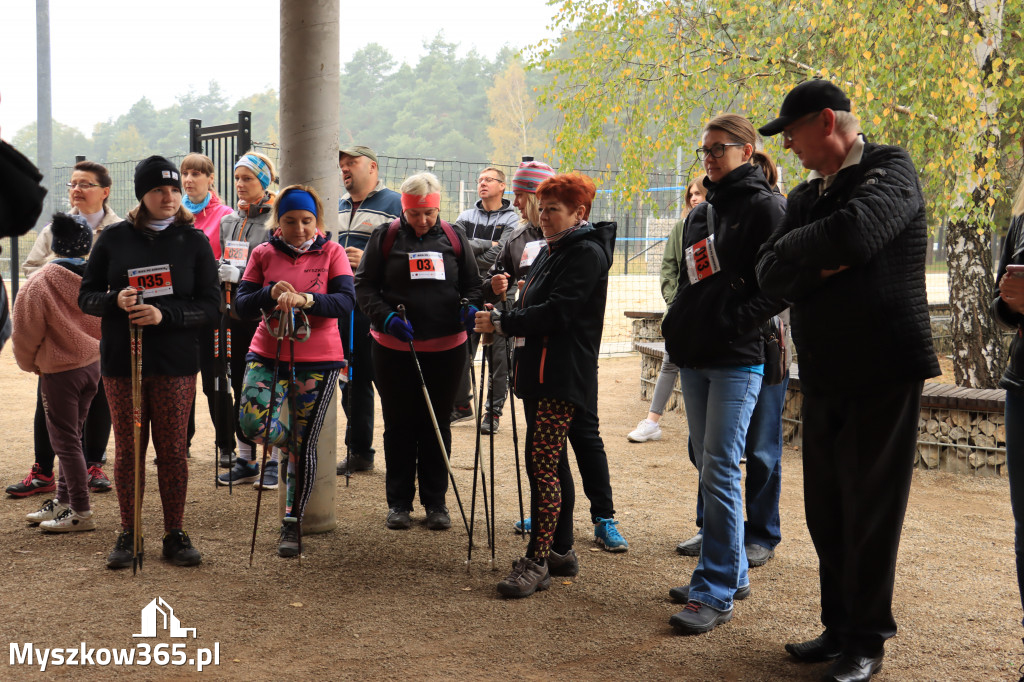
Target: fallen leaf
[
  {"x": 595, "y": 549},
  {"x": 467, "y": 589},
  {"x": 567, "y": 582},
  {"x": 295, "y": 603}
]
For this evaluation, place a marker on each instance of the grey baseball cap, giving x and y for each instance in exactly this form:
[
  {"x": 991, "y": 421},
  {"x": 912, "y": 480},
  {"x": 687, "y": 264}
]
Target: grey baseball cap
[{"x": 358, "y": 150}]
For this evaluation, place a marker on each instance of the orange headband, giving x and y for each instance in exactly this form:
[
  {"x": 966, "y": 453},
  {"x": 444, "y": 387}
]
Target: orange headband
[{"x": 421, "y": 201}]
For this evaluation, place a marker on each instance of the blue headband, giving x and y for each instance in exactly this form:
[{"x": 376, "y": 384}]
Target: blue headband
[
  {"x": 296, "y": 200},
  {"x": 258, "y": 167}
]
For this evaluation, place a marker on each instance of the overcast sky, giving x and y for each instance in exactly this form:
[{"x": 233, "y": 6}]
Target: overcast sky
[{"x": 107, "y": 54}]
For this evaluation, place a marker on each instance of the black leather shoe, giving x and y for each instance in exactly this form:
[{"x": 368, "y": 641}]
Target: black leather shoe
[
  {"x": 853, "y": 668},
  {"x": 398, "y": 519},
  {"x": 824, "y": 647},
  {"x": 681, "y": 595},
  {"x": 696, "y": 618}
]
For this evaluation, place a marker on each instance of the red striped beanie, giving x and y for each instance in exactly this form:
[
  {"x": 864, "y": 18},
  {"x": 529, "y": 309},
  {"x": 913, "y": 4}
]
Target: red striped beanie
[{"x": 529, "y": 175}]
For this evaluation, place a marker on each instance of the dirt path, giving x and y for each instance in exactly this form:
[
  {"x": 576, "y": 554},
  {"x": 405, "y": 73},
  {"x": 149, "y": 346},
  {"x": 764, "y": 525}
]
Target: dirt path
[{"x": 368, "y": 603}]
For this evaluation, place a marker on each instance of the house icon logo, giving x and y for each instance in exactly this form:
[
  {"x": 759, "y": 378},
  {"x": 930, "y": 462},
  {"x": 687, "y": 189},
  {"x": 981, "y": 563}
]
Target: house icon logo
[{"x": 158, "y": 614}]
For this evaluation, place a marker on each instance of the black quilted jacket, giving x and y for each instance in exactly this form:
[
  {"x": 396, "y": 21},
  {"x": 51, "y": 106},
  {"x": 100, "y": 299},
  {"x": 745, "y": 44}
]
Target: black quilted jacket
[
  {"x": 869, "y": 323},
  {"x": 1013, "y": 252}
]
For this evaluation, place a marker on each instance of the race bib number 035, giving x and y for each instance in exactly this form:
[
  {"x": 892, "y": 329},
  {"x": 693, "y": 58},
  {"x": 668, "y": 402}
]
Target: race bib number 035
[
  {"x": 426, "y": 265},
  {"x": 702, "y": 260},
  {"x": 154, "y": 280}
]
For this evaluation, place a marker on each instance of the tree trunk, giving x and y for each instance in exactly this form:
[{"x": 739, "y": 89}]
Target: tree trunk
[{"x": 977, "y": 354}]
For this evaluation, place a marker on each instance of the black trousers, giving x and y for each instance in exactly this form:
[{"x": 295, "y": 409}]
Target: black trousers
[
  {"x": 95, "y": 433},
  {"x": 858, "y": 457},
  {"x": 225, "y": 420},
  {"x": 410, "y": 442},
  {"x": 592, "y": 460},
  {"x": 357, "y": 394}
]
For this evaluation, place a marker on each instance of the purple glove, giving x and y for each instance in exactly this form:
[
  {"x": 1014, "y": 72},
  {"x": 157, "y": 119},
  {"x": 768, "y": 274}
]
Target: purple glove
[
  {"x": 468, "y": 317},
  {"x": 399, "y": 328}
]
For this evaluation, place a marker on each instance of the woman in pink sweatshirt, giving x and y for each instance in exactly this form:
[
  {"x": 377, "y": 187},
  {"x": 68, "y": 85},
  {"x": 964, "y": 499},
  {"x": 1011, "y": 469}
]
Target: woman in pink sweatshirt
[{"x": 56, "y": 340}]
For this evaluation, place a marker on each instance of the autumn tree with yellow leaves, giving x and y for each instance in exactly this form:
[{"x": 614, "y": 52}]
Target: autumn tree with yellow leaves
[{"x": 942, "y": 79}]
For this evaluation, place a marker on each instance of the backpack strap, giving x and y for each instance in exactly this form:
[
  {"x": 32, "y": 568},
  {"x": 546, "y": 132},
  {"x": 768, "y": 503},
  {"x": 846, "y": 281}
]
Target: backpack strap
[{"x": 392, "y": 233}]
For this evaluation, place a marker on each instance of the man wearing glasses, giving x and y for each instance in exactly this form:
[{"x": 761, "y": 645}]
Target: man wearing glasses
[
  {"x": 488, "y": 226},
  {"x": 850, "y": 257}
]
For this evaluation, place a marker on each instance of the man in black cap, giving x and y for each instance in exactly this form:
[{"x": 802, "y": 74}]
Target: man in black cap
[{"x": 850, "y": 257}]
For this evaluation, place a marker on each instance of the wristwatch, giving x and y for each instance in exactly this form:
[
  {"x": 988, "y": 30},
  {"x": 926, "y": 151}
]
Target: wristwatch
[{"x": 496, "y": 321}]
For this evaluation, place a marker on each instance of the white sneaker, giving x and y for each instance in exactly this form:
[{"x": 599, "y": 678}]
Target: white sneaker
[
  {"x": 646, "y": 430},
  {"x": 69, "y": 521},
  {"x": 51, "y": 509}
]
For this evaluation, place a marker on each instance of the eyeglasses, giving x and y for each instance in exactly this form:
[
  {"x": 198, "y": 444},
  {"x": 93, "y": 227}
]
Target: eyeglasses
[
  {"x": 717, "y": 151},
  {"x": 787, "y": 134},
  {"x": 82, "y": 185},
  {"x": 486, "y": 179}
]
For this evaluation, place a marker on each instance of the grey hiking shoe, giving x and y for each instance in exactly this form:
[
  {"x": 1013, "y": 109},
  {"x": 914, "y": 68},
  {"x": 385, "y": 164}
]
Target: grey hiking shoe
[
  {"x": 288, "y": 546},
  {"x": 527, "y": 577},
  {"x": 564, "y": 565}
]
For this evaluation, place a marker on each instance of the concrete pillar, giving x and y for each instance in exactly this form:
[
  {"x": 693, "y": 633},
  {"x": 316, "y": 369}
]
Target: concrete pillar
[
  {"x": 310, "y": 117},
  {"x": 44, "y": 111}
]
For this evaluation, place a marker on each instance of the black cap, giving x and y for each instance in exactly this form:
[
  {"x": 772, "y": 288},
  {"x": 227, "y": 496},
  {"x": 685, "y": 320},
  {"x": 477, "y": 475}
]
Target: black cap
[
  {"x": 154, "y": 172},
  {"x": 807, "y": 98}
]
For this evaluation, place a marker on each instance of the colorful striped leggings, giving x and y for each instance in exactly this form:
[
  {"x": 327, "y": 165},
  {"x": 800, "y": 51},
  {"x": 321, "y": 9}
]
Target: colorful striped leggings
[
  {"x": 552, "y": 494},
  {"x": 296, "y": 434}
]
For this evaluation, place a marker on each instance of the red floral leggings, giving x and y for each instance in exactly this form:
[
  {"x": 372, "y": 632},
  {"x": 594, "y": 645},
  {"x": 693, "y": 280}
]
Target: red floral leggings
[{"x": 166, "y": 403}]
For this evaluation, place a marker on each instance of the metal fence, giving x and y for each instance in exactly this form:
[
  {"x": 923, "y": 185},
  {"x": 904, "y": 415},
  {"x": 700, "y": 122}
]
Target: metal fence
[{"x": 642, "y": 225}]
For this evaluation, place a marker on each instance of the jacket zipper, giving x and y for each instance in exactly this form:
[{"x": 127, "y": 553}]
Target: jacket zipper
[{"x": 543, "y": 357}]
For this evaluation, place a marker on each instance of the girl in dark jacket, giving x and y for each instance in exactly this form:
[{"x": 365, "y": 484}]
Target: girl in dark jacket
[
  {"x": 427, "y": 266},
  {"x": 1008, "y": 309},
  {"x": 713, "y": 333},
  {"x": 179, "y": 276},
  {"x": 557, "y": 325}
]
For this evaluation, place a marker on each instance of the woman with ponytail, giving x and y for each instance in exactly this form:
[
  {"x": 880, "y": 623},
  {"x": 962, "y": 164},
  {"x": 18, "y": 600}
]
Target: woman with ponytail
[{"x": 713, "y": 332}]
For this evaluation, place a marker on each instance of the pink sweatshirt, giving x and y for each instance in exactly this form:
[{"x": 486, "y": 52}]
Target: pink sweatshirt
[
  {"x": 308, "y": 273},
  {"x": 208, "y": 220},
  {"x": 51, "y": 333}
]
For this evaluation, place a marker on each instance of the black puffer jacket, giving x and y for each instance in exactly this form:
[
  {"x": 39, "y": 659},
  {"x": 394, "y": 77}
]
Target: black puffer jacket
[
  {"x": 717, "y": 321},
  {"x": 560, "y": 316},
  {"x": 1013, "y": 252},
  {"x": 170, "y": 348},
  {"x": 869, "y": 323},
  {"x": 383, "y": 281}
]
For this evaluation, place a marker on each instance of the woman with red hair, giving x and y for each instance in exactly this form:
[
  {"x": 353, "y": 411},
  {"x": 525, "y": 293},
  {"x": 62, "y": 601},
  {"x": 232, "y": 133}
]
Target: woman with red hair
[{"x": 557, "y": 324}]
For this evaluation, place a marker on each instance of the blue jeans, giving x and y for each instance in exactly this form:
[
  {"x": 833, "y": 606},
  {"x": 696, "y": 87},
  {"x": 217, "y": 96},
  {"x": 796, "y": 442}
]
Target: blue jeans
[
  {"x": 719, "y": 403},
  {"x": 763, "y": 450},
  {"x": 1015, "y": 468}
]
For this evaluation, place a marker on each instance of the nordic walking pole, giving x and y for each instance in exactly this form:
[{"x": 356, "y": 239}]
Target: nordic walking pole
[
  {"x": 347, "y": 395},
  {"x": 433, "y": 419},
  {"x": 279, "y": 335},
  {"x": 489, "y": 348},
  {"x": 509, "y": 350},
  {"x": 293, "y": 437},
  {"x": 478, "y": 466},
  {"x": 136, "y": 352}
]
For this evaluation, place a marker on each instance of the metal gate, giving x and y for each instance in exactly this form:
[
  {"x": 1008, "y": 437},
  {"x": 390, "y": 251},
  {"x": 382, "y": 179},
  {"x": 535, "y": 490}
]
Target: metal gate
[{"x": 224, "y": 144}]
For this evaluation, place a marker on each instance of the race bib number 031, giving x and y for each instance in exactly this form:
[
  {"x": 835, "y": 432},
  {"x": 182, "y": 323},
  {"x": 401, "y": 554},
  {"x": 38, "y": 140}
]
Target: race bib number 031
[
  {"x": 151, "y": 281},
  {"x": 702, "y": 260},
  {"x": 426, "y": 265}
]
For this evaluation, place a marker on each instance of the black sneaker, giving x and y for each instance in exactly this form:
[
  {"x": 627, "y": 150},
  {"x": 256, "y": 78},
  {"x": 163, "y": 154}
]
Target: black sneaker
[
  {"x": 681, "y": 595},
  {"x": 527, "y": 577},
  {"x": 461, "y": 413},
  {"x": 489, "y": 424},
  {"x": 244, "y": 471},
  {"x": 438, "y": 518},
  {"x": 398, "y": 519},
  {"x": 354, "y": 463},
  {"x": 288, "y": 546},
  {"x": 121, "y": 555},
  {"x": 565, "y": 565},
  {"x": 179, "y": 550},
  {"x": 696, "y": 618},
  {"x": 226, "y": 458}
]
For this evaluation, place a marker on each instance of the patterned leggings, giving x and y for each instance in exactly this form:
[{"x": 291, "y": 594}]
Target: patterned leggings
[
  {"x": 312, "y": 395},
  {"x": 166, "y": 403},
  {"x": 547, "y": 428}
]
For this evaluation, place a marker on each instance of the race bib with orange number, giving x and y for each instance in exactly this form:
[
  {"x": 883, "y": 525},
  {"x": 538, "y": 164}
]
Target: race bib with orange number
[
  {"x": 236, "y": 252},
  {"x": 530, "y": 252},
  {"x": 701, "y": 260},
  {"x": 426, "y": 265},
  {"x": 151, "y": 281}
]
